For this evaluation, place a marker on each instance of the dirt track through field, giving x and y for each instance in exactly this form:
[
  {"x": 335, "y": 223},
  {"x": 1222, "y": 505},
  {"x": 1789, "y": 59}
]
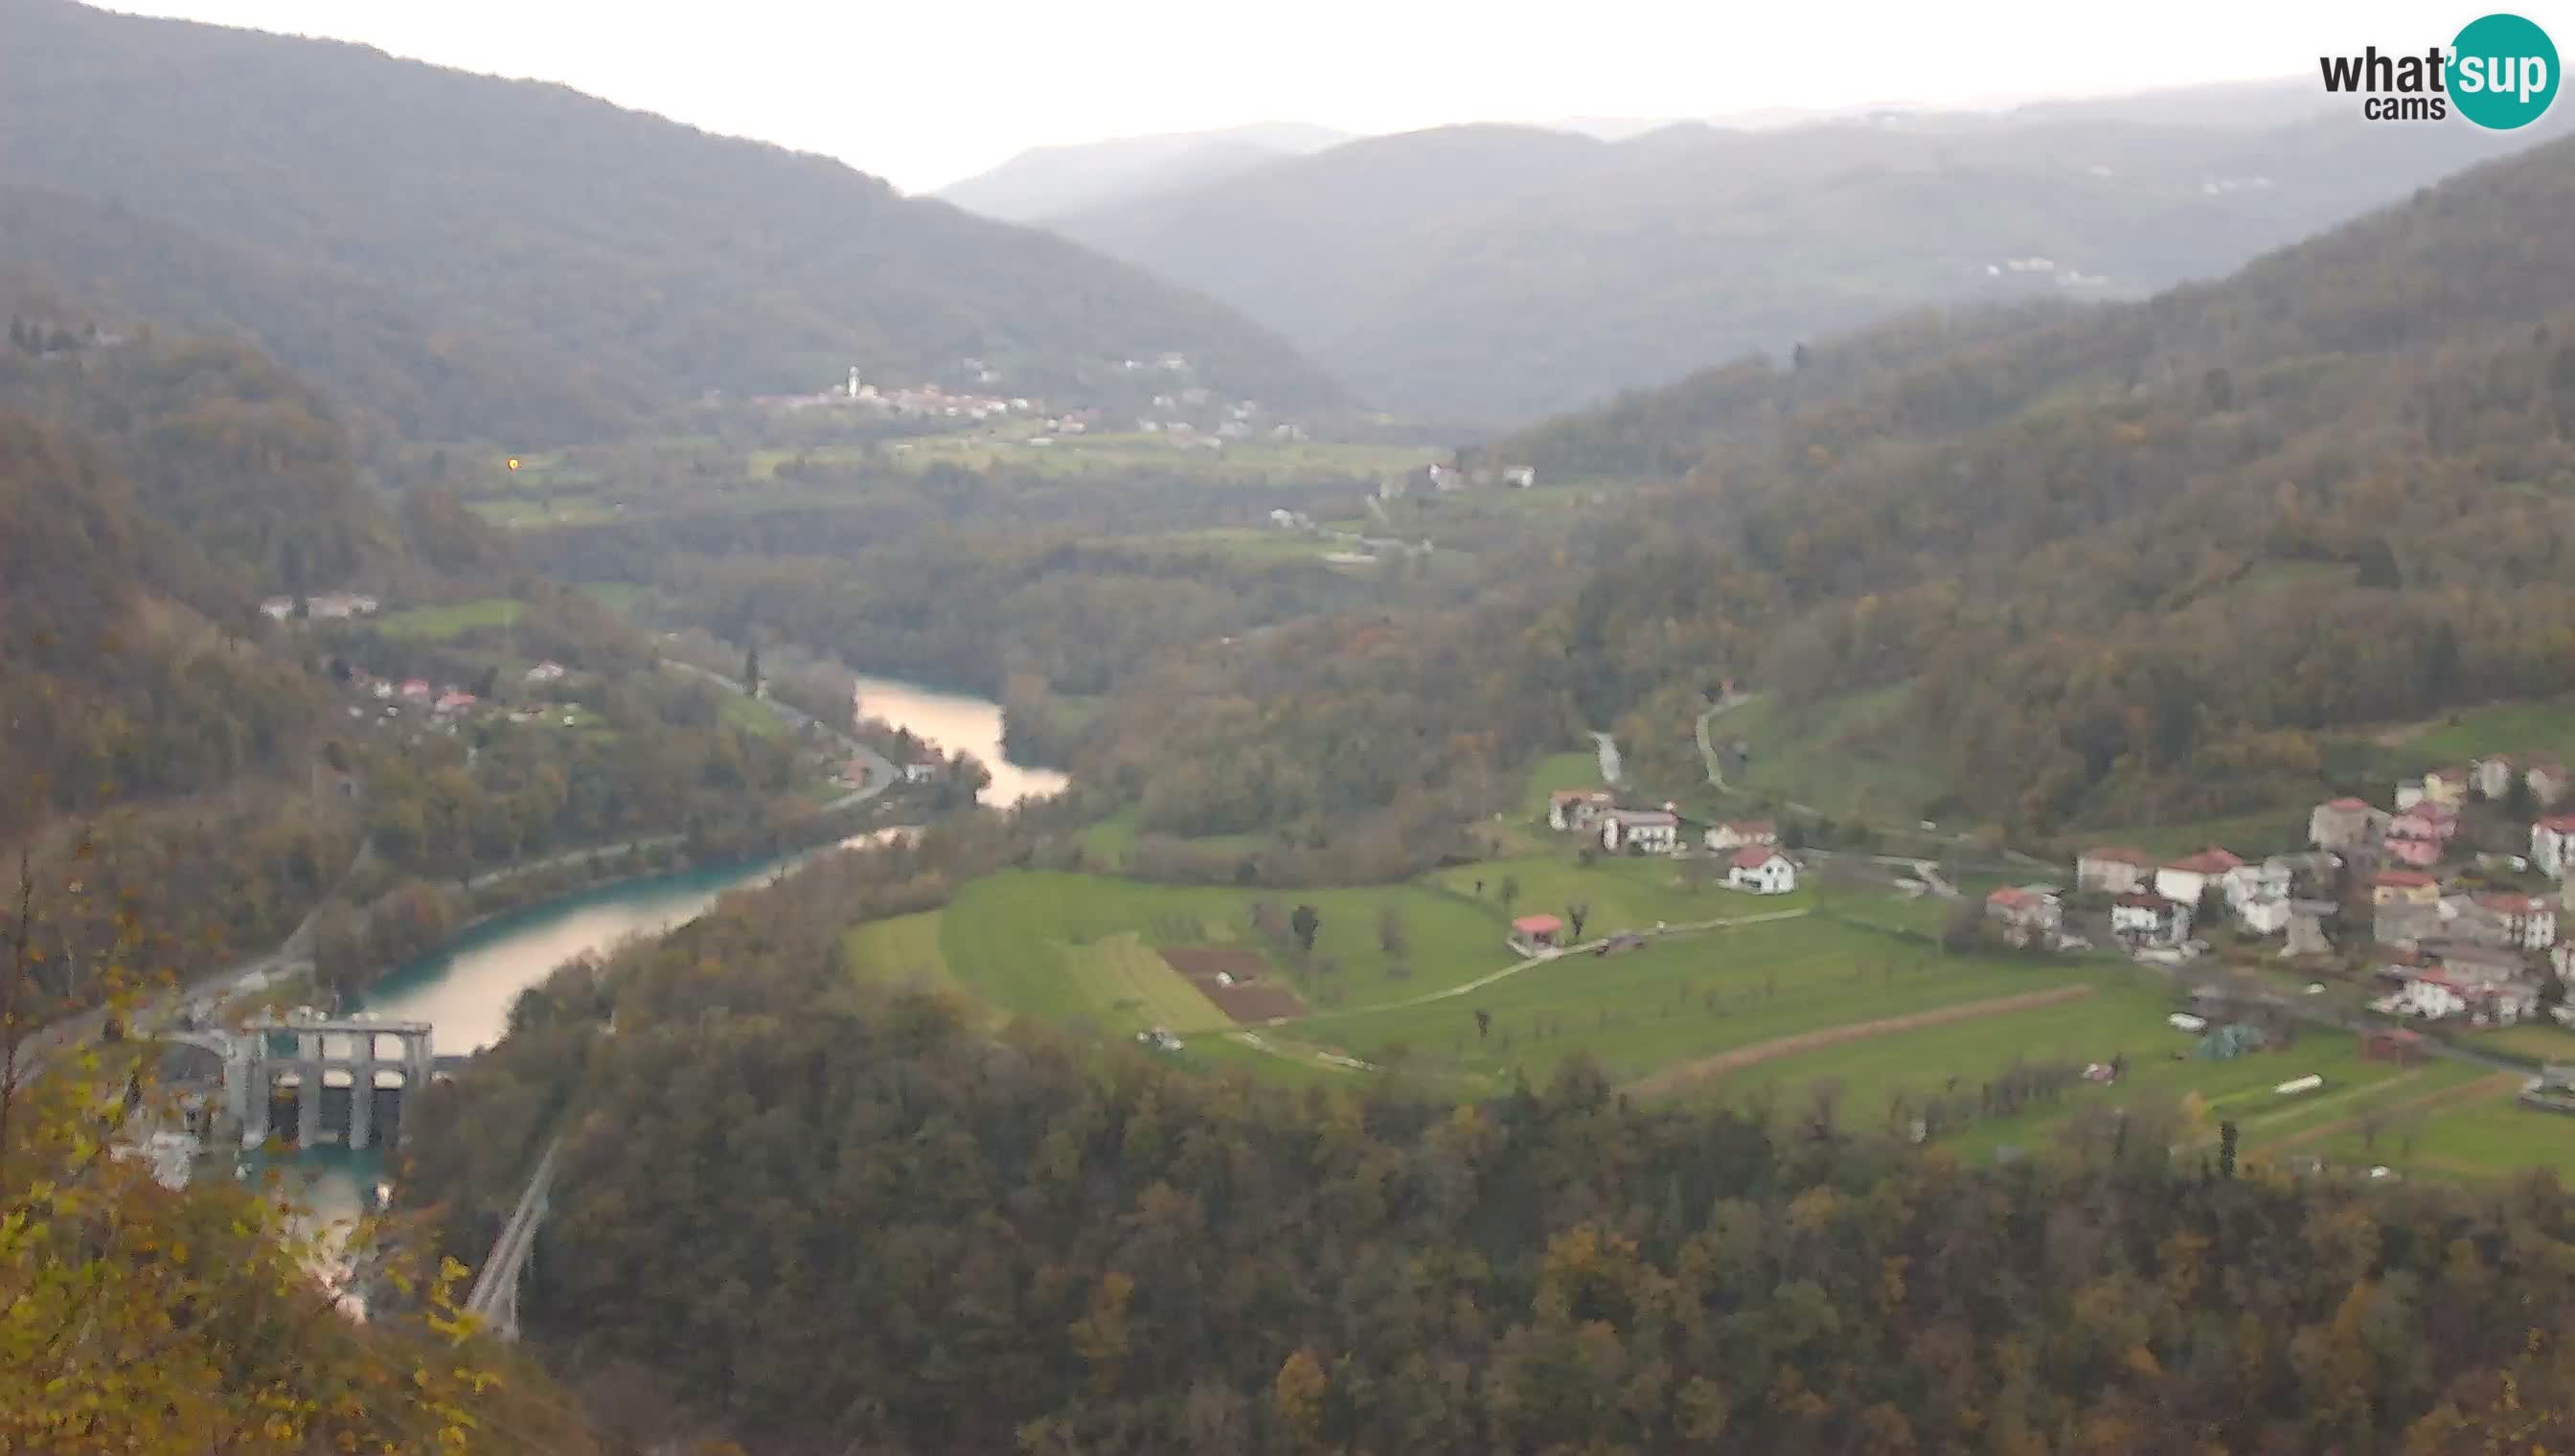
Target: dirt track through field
[{"x": 1681, "y": 1078}]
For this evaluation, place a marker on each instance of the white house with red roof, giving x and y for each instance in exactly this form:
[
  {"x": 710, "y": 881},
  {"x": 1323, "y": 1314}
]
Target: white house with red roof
[
  {"x": 2547, "y": 780},
  {"x": 2024, "y": 914},
  {"x": 415, "y": 689},
  {"x": 2187, "y": 878},
  {"x": 1761, "y": 870},
  {"x": 2143, "y": 917},
  {"x": 2552, "y": 845},
  {"x": 2345, "y": 824}
]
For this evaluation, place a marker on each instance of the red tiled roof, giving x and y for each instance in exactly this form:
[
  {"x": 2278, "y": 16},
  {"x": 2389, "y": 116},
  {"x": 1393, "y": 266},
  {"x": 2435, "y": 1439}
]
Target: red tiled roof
[
  {"x": 2403, "y": 880},
  {"x": 1755, "y": 856},
  {"x": 2012, "y": 896},
  {"x": 2559, "y": 824},
  {"x": 1537, "y": 924},
  {"x": 2346, "y": 803},
  {"x": 2211, "y": 861}
]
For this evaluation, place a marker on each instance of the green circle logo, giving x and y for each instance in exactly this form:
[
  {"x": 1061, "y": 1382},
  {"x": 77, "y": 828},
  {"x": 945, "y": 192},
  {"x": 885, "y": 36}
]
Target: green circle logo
[{"x": 2503, "y": 72}]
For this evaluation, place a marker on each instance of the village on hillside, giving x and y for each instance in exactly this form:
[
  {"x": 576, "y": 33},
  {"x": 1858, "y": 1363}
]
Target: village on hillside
[{"x": 2444, "y": 906}]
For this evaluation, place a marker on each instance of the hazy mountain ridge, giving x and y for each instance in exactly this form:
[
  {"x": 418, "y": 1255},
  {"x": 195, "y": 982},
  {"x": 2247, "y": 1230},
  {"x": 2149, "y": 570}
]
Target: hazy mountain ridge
[
  {"x": 1051, "y": 181},
  {"x": 1492, "y": 272},
  {"x": 519, "y": 233}
]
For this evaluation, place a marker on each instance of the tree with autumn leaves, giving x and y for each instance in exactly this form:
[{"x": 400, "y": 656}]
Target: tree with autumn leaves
[{"x": 135, "y": 1318}]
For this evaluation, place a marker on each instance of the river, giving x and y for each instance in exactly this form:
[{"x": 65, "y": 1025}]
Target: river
[
  {"x": 465, "y": 989},
  {"x": 954, "y": 720}
]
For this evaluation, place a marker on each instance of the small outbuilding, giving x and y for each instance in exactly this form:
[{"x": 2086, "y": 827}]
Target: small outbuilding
[{"x": 1538, "y": 932}]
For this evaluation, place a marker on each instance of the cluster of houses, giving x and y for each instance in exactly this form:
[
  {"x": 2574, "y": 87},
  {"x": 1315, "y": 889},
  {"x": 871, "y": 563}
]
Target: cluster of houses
[
  {"x": 321, "y": 606},
  {"x": 2448, "y": 945},
  {"x": 1754, "y": 862},
  {"x": 445, "y": 704}
]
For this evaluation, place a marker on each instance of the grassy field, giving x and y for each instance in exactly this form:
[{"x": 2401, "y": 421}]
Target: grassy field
[
  {"x": 1241, "y": 461},
  {"x": 2545, "y": 727},
  {"x": 751, "y": 714},
  {"x": 1082, "y": 948},
  {"x": 620, "y": 598},
  {"x": 1623, "y": 894},
  {"x": 902, "y": 951},
  {"x": 2458, "y": 1129},
  {"x": 2252, "y": 836},
  {"x": 440, "y": 623},
  {"x": 1767, "y": 1013},
  {"x": 1844, "y": 757},
  {"x": 2536, "y": 1039},
  {"x": 1639, "y": 1012}
]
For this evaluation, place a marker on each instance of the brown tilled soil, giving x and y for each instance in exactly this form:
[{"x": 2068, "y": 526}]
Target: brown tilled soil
[
  {"x": 1679, "y": 1078},
  {"x": 1255, "y": 995}
]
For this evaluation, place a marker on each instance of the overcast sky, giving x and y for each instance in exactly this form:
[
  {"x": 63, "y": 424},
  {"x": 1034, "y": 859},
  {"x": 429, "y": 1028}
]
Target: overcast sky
[{"x": 925, "y": 94}]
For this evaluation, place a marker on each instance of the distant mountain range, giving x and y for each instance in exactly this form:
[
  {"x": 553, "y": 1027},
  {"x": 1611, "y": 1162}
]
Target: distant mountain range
[
  {"x": 483, "y": 259},
  {"x": 1498, "y": 272},
  {"x": 1047, "y": 182}
]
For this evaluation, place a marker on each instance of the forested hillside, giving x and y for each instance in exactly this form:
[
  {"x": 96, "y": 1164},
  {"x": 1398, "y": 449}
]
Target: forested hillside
[
  {"x": 2131, "y": 564},
  {"x": 872, "y": 1227},
  {"x": 1490, "y": 272},
  {"x": 484, "y": 259}
]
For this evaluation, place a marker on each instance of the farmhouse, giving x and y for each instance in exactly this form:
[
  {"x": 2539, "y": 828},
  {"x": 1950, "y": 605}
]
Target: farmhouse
[
  {"x": 2409, "y": 793},
  {"x": 547, "y": 671},
  {"x": 2529, "y": 920},
  {"x": 277, "y": 609},
  {"x": 920, "y": 772},
  {"x": 1576, "y": 808},
  {"x": 2552, "y": 845},
  {"x": 1736, "y": 833},
  {"x": 414, "y": 690},
  {"x": 2187, "y": 879},
  {"x": 1762, "y": 870},
  {"x": 2492, "y": 776},
  {"x": 2143, "y": 917},
  {"x": 2345, "y": 824},
  {"x": 1538, "y": 933},
  {"x": 2023, "y": 913},
  {"x": 1640, "y": 830},
  {"x": 2113, "y": 869},
  {"x": 2547, "y": 781}
]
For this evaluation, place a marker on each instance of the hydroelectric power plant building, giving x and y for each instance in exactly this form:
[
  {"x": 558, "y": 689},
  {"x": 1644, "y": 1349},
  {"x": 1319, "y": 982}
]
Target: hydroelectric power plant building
[{"x": 311, "y": 1079}]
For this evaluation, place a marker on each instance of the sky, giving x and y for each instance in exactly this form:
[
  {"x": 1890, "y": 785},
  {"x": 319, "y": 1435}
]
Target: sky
[{"x": 926, "y": 94}]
